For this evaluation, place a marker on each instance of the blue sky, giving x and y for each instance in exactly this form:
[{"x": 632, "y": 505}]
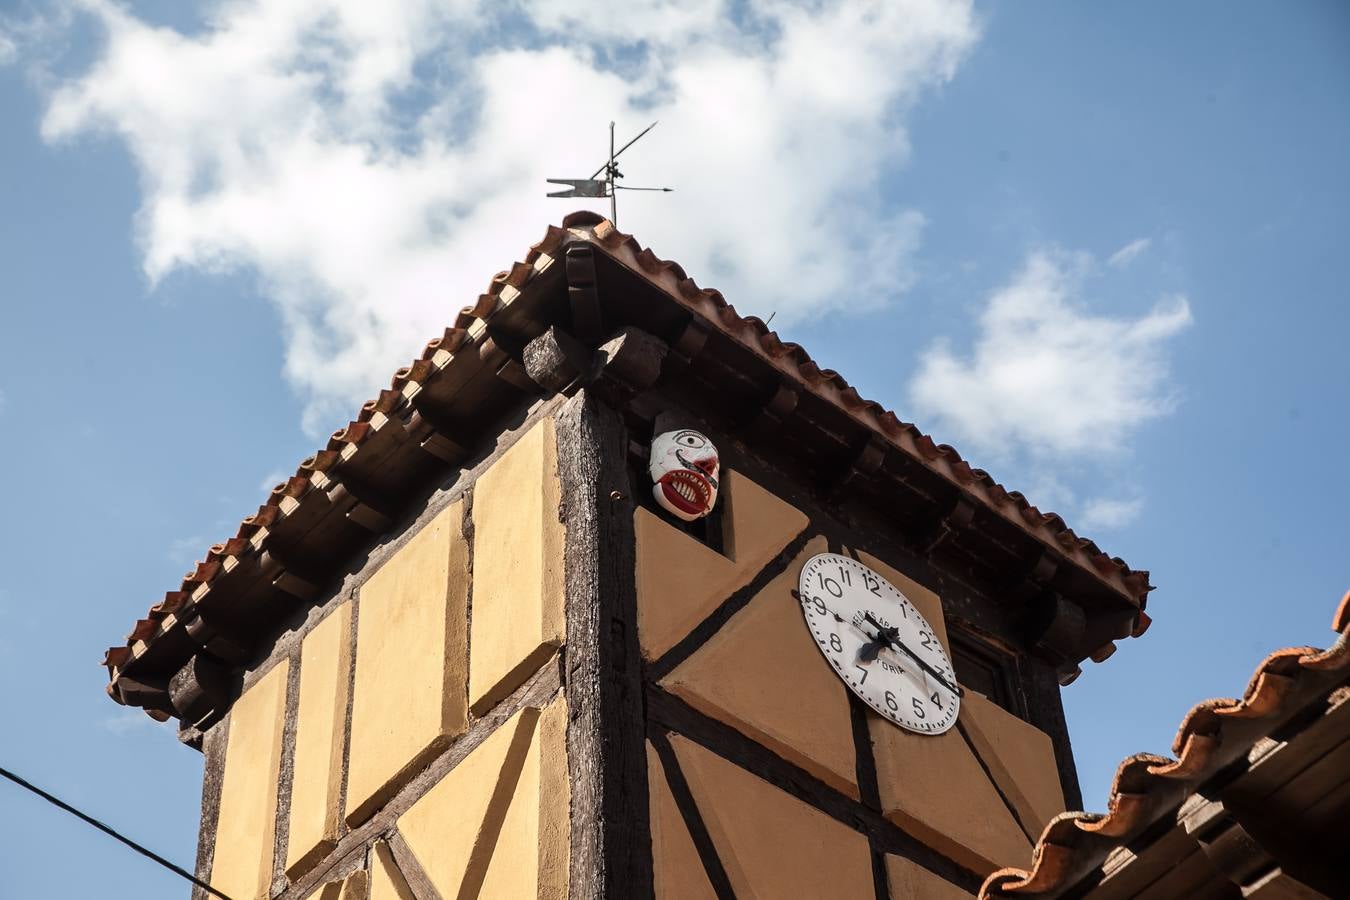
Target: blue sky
[{"x": 1102, "y": 253}]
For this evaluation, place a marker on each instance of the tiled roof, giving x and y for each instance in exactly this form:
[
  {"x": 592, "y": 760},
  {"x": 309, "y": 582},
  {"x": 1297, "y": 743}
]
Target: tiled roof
[
  {"x": 1212, "y": 736},
  {"x": 349, "y": 448}
]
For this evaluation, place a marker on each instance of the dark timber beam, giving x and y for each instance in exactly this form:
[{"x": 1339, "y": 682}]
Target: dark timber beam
[{"x": 611, "y": 853}]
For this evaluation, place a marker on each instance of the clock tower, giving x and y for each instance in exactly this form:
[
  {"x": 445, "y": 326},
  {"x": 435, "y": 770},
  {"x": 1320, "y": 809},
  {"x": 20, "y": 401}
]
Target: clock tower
[{"x": 612, "y": 593}]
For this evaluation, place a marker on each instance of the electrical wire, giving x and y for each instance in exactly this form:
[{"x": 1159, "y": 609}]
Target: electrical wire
[{"x": 55, "y": 801}]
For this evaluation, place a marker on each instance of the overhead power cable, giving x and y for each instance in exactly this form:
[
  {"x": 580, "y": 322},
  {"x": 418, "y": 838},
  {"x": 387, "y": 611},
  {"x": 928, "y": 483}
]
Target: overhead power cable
[{"x": 55, "y": 801}]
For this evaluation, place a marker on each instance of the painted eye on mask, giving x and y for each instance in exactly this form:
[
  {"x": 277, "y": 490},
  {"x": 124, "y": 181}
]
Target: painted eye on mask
[
  {"x": 692, "y": 439},
  {"x": 684, "y": 469}
]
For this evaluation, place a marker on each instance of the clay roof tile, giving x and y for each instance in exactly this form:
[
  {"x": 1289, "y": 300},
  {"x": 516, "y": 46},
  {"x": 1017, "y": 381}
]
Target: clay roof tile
[
  {"x": 790, "y": 359},
  {"x": 1138, "y": 787}
]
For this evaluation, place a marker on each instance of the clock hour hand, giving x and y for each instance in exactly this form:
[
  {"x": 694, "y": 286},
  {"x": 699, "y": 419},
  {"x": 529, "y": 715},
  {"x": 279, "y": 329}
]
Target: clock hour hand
[
  {"x": 870, "y": 650},
  {"x": 892, "y": 637}
]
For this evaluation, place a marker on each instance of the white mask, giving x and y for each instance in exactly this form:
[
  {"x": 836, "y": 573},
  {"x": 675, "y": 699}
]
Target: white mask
[{"x": 684, "y": 467}]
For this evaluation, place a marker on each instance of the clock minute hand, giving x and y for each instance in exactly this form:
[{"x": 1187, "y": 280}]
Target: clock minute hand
[{"x": 892, "y": 637}]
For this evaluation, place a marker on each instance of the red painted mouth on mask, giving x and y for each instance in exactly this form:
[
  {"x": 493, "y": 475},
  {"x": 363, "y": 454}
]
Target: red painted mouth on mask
[{"x": 687, "y": 491}]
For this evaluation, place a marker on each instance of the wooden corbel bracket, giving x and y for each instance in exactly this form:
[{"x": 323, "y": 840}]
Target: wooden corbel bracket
[
  {"x": 686, "y": 347},
  {"x": 949, "y": 520},
  {"x": 201, "y": 689},
  {"x": 556, "y": 361},
  {"x": 766, "y": 417},
  {"x": 433, "y": 439},
  {"x": 626, "y": 365},
  {"x": 865, "y": 461},
  {"x": 1055, "y": 631}
]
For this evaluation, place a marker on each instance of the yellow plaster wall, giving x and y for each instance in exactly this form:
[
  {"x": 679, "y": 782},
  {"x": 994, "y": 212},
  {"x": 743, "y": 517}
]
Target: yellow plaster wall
[
  {"x": 677, "y": 870},
  {"x": 771, "y": 844},
  {"x": 763, "y": 674},
  {"x": 411, "y": 662},
  {"x": 386, "y": 881},
  {"x": 246, "y": 828},
  {"x": 316, "y": 814},
  {"x": 355, "y": 886},
  {"x": 517, "y": 567},
  {"x": 680, "y": 581},
  {"x": 498, "y": 824}
]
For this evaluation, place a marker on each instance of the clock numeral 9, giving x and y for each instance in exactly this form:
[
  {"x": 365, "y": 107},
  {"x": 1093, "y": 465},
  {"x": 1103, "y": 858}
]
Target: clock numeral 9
[
  {"x": 819, "y": 604},
  {"x": 835, "y": 644}
]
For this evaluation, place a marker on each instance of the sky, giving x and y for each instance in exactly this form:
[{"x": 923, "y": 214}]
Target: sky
[{"x": 1100, "y": 251}]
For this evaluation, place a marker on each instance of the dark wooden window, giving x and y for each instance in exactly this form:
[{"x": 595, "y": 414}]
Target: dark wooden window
[{"x": 987, "y": 669}]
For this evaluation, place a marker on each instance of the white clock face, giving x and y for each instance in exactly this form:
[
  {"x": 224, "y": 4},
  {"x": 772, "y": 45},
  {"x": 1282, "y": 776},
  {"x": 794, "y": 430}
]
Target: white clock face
[{"x": 879, "y": 644}]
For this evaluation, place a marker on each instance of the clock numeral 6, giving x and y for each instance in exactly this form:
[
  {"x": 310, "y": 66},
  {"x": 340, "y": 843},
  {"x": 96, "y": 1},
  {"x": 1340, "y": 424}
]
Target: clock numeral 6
[
  {"x": 835, "y": 644},
  {"x": 892, "y": 702}
]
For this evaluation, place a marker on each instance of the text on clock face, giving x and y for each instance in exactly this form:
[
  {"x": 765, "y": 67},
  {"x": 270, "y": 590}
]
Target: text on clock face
[{"x": 879, "y": 644}]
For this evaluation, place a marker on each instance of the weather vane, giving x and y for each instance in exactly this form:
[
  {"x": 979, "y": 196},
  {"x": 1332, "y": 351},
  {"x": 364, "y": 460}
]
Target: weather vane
[{"x": 596, "y": 186}]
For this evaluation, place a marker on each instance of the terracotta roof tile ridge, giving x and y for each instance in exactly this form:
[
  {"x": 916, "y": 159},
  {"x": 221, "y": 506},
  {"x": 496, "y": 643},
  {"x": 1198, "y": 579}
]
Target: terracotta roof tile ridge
[
  {"x": 324, "y": 468},
  {"x": 1073, "y": 841},
  {"x": 316, "y": 471},
  {"x": 793, "y": 360}
]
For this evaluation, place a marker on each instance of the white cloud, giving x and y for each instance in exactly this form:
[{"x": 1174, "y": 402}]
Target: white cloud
[
  {"x": 373, "y": 164},
  {"x": 127, "y": 721},
  {"x": 1047, "y": 377},
  {"x": 1103, "y": 513},
  {"x": 272, "y": 479},
  {"x": 9, "y": 50},
  {"x": 186, "y": 549},
  {"x": 1127, "y": 254}
]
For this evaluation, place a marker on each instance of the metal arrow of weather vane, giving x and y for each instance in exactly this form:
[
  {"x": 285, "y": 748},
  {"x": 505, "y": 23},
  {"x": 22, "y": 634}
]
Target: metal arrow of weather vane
[{"x": 595, "y": 186}]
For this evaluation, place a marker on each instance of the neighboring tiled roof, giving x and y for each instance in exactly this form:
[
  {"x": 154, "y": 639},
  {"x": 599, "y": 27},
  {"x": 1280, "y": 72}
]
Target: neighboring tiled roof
[
  {"x": 344, "y": 449},
  {"x": 1213, "y": 735}
]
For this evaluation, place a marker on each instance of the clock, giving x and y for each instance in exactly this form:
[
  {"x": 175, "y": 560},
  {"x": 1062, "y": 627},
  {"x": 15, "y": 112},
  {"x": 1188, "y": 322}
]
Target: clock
[{"x": 879, "y": 644}]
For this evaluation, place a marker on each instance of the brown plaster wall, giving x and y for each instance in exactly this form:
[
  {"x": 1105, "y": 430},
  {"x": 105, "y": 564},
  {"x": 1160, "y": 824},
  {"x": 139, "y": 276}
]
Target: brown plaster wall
[{"x": 725, "y": 635}]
